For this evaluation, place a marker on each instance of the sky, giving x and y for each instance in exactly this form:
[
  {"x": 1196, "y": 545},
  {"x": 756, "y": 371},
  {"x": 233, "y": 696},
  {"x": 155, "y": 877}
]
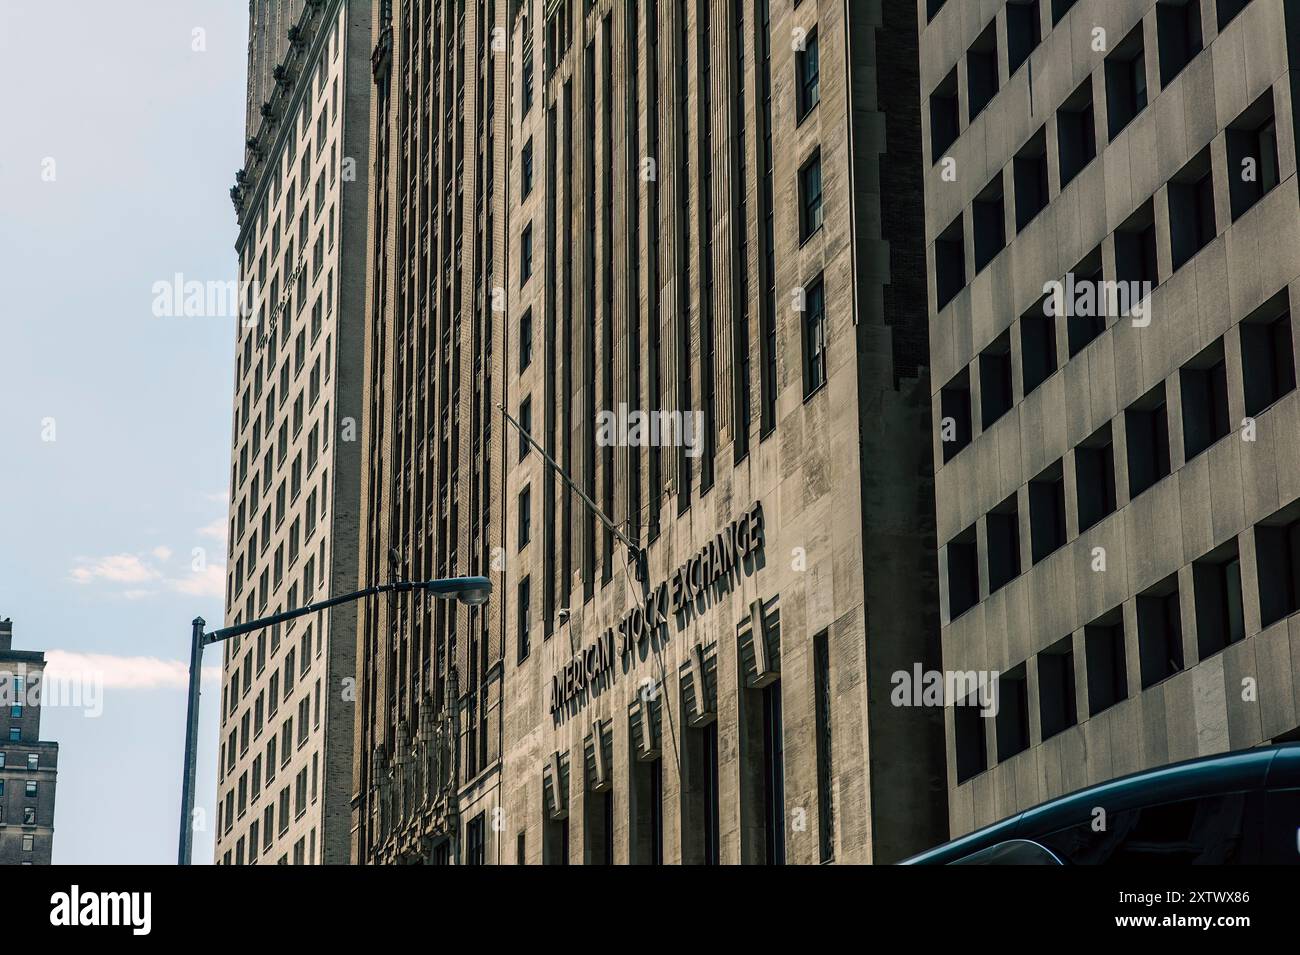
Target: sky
[{"x": 120, "y": 132}]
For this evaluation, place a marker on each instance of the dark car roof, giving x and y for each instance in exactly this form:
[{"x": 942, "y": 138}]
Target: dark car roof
[{"x": 1267, "y": 766}]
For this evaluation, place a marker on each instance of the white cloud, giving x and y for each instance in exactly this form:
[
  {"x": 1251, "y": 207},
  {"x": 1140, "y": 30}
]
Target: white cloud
[
  {"x": 118, "y": 568},
  {"x": 216, "y": 530},
  {"x": 209, "y": 582},
  {"x": 162, "y": 552},
  {"x": 123, "y": 673}
]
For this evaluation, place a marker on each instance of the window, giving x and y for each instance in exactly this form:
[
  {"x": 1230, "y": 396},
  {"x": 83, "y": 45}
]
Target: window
[
  {"x": 823, "y": 731},
  {"x": 1160, "y": 632},
  {"x": 808, "y": 71},
  {"x": 995, "y": 380},
  {"x": 1228, "y": 9},
  {"x": 1037, "y": 348},
  {"x": 1103, "y": 643},
  {"x": 475, "y": 841},
  {"x": 525, "y": 608},
  {"x": 969, "y": 741},
  {"x": 1277, "y": 563},
  {"x": 810, "y": 197},
  {"x": 1047, "y": 530},
  {"x": 1126, "y": 81},
  {"x": 1135, "y": 247},
  {"x": 525, "y": 516},
  {"x": 945, "y": 119},
  {"x": 1252, "y": 155},
  {"x": 955, "y": 415},
  {"x": 29, "y": 788},
  {"x": 1030, "y": 171},
  {"x": 1057, "y": 709},
  {"x": 1023, "y": 32},
  {"x": 526, "y": 255},
  {"x": 1178, "y": 31},
  {"x": 1147, "y": 425},
  {"x": 526, "y": 168},
  {"x": 1220, "y": 620},
  {"x": 525, "y": 340},
  {"x": 1012, "y": 719},
  {"x": 1191, "y": 209},
  {"x": 963, "y": 573},
  {"x": 29, "y": 816},
  {"x": 1267, "y": 358},
  {"x": 982, "y": 69},
  {"x": 33, "y": 762},
  {"x": 1002, "y": 527},
  {"x": 525, "y": 426},
  {"x": 1060, "y": 8},
  {"x": 1204, "y": 386},
  {"x": 1094, "y": 472},
  {"x": 1086, "y": 311},
  {"x": 989, "y": 216},
  {"x": 949, "y": 263},
  {"x": 814, "y": 338}
]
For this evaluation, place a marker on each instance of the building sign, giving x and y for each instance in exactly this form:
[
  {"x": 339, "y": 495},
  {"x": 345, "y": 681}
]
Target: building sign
[{"x": 713, "y": 564}]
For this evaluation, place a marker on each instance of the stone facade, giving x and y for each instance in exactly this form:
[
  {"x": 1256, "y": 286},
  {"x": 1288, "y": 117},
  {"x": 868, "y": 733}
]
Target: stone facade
[
  {"x": 1116, "y": 492},
  {"x": 284, "y": 778},
  {"x": 29, "y": 766}
]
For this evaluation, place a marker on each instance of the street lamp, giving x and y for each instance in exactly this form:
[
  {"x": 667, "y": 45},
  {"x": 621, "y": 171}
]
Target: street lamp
[{"x": 473, "y": 591}]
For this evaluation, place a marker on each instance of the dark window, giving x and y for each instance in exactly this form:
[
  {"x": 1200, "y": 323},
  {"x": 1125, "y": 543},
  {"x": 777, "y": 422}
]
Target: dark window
[
  {"x": 526, "y": 340},
  {"x": 1135, "y": 247},
  {"x": 955, "y": 413},
  {"x": 1204, "y": 386},
  {"x": 949, "y": 263},
  {"x": 1037, "y": 347},
  {"x": 1178, "y": 28},
  {"x": 1103, "y": 643},
  {"x": 970, "y": 743},
  {"x": 1012, "y": 720},
  {"x": 808, "y": 69},
  {"x": 1228, "y": 9},
  {"x": 1160, "y": 632},
  {"x": 1146, "y": 423},
  {"x": 525, "y": 515},
  {"x": 982, "y": 69},
  {"x": 1267, "y": 358},
  {"x": 1031, "y": 179},
  {"x": 1191, "y": 209},
  {"x": 1126, "y": 81},
  {"x": 814, "y": 338},
  {"x": 1047, "y": 512},
  {"x": 525, "y": 609},
  {"x": 475, "y": 841},
  {"x": 1076, "y": 133},
  {"x": 945, "y": 121},
  {"x": 1277, "y": 563},
  {"x": 1086, "y": 310},
  {"x": 525, "y": 426},
  {"x": 989, "y": 218},
  {"x": 1094, "y": 473},
  {"x": 810, "y": 195},
  {"x": 963, "y": 573},
  {"x": 1003, "y": 531},
  {"x": 1057, "y": 708},
  {"x": 1252, "y": 155},
  {"x": 1023, "y": 31},
  {"x": 526, "y": 255},
  {"x": 932, "y": 7},
  {"x": 1060, "y": 8},
  {"x": 1220, "y": 619},
  {"x": 526, "y": 169},
  {"x": 773, "y": 775},
  {"x": 822, "y": 714},
  {"x": 995, "y": 380}
]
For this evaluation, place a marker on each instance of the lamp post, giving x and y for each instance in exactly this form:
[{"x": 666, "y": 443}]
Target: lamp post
[{"x": 473, "y": 591}]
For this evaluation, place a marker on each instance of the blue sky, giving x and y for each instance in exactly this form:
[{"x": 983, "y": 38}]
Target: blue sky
[{"x": 99, "y": 526}]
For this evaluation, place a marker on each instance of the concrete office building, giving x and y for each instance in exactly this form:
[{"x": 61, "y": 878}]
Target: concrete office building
[
  {"x": 1116, "y": 474},
  {"x": 286, "y": 711},
  {"x": 29, "y": 765},
  {"x": 715, "y": 319}
]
